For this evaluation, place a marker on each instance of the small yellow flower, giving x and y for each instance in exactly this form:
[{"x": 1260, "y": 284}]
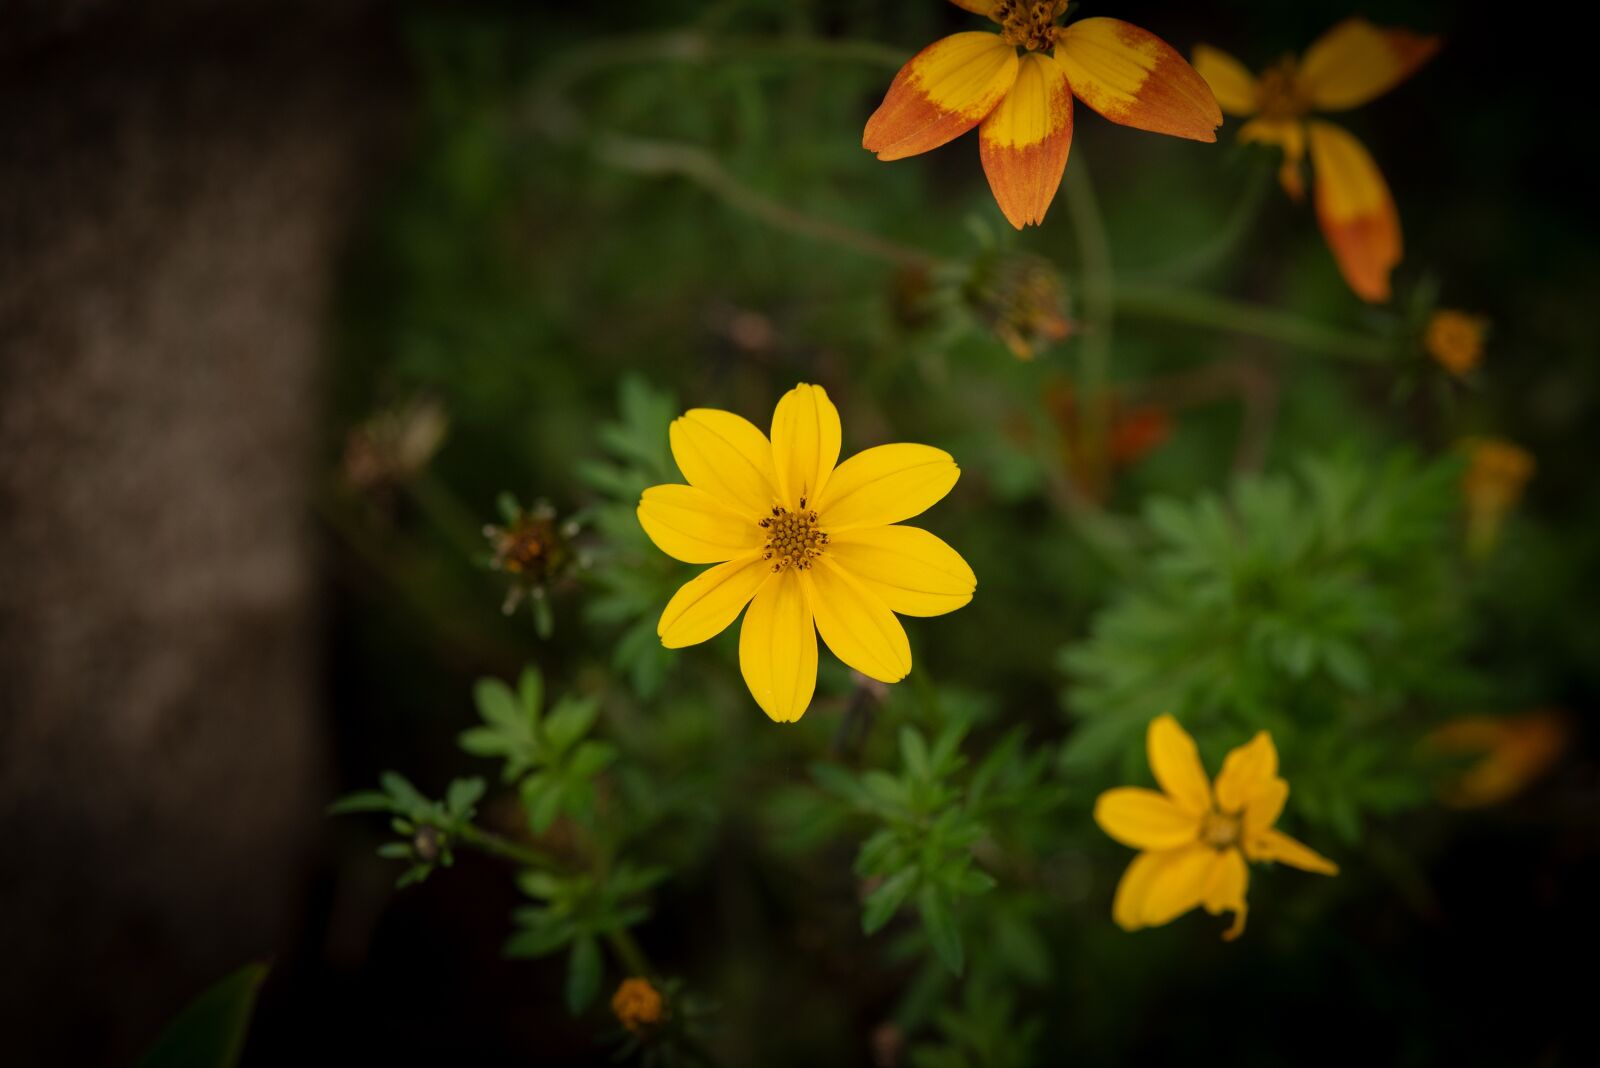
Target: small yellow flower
[
  {"x": 811, "y": 547},
  {"x": 1513, "y": 752},
  {"x": 637, "y": 1004},
  {"x": 1349, "y": 65},
  {"x": 1455, "y": 340},
  {"x": 1017, "y": 86},
  {"x": 1492, "y": 485},
  {"x": 1195, "y": 841}
]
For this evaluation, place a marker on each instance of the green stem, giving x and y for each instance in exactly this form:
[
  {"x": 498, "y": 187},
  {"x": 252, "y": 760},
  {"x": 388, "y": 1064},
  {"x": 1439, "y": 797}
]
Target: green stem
[
  {"x": 504, "y": 848},
  {"x": 1098, "y": 288},
  {"x": 1191, "y": 308},
  {"x": 628, "y": 952},
  {"x": 1258, "y": 183}
]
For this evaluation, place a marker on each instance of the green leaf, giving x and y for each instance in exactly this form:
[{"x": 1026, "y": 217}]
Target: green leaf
[
  {"x": 914, "y": 751},
  {"x": 583, "y": 974},
  {"x": 210, "y": 1032},
  {"x": 499, "y": 706},
  {"x": 361, "y": 801},
  {"x": 570, "y": 721},
  {"x": 539, "y": 941},
  {"x": 462, "y": 795},
  {"x": 530, "y": 691},
  {"x": 886, "y": 900},
  {"x": 406, "y": 796},
  {"x": 934, "y": 904}
]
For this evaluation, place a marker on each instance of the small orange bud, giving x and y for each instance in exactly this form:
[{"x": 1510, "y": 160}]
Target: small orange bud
[
  {"x": 1455, "y": 340},
  {"x": 637, "y": 1004},
  {"x": 1496, "y": 473}
]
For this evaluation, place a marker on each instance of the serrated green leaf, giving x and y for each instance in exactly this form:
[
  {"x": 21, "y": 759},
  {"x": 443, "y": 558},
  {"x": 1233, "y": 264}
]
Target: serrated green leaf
[
  {"x": 885, "y": 901},
  {"x": 934, "y": 905},
  {"x": 361, "y": 801}
]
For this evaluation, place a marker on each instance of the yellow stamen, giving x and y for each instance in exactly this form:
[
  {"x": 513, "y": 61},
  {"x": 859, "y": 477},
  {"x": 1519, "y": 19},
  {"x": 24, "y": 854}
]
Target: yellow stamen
[
  {"x": 1029, "y": 23},
  {"x": 793, "y": 539}
]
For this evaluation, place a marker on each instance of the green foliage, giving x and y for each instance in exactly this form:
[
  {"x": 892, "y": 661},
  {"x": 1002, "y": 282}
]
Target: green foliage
[
  {"x": 210, "y": 1031},
  {"x": 429, "y": 829},
  {"x": 547, "y": 754},
  {"x": 983, "y": 1032},
  {"x": 636, "y": 580},
  {"x": 1324, "y": 607}
]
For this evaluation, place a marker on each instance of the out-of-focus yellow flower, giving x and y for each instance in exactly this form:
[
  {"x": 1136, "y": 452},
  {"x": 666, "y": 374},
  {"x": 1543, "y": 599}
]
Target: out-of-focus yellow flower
[
  {"x": 1455, "y": 340},
  {"x": 1496, "y": 473},
  {"x": 1017, "y": 86},
  {"x": 637, "y": 1004},
  {"x": 809, "y": 546},
  {"x": 1196, "y": 840},
  {"x": 1516, "y": 750},
  {"x": 1349, "y": 65}
]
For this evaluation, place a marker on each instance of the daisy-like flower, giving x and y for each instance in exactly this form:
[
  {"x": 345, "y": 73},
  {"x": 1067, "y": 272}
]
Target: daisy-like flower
[
  {"x": 1349, "y": 65},
  {"x": 1017, "y": 87},
  {"x": 811, "y": 547},
  {"x": 1455, "y": 340},
  {"x": 1197, "y": 840}
]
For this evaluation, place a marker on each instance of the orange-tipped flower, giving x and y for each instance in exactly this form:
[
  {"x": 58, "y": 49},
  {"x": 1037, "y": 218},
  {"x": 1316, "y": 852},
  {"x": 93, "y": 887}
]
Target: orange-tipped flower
[
  {"x": 1455, "y": 340},
  {"x": 1017, "y": 86},
  {"x": 1512, "y": 751},
  {"x": 1351, "y": 64}
]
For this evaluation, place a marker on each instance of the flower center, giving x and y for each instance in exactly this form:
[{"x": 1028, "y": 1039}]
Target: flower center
[
  {"x": 1219, "y": 831},
  {"x": 1029, "y": 23},
  {"x": 1279, "y": 90},
  {"x": 793, "y": 539}
]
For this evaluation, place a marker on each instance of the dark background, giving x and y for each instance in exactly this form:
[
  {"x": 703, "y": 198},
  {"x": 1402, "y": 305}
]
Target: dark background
[{"x": 227, "y": 232}]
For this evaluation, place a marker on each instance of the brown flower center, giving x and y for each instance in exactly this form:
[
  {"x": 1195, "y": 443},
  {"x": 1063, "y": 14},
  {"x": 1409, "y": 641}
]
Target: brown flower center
[
  {"x": 1029, "y": 24},
  {"x": 793, "y": 539},
  {"x": 1220, "y": 831},
  {"x": 1278, "y": 91}
]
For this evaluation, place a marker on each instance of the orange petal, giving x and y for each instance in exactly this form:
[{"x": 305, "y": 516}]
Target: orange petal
[
  {"x": 1355, "y": 209},
  {"x": 944, "y": 91},
  {"x": 1235, "y": 87},
  {"x": 1024, "y": 141},
  {"x": 1357, "y": 61},
  {"x": 1133, "y": 77}
]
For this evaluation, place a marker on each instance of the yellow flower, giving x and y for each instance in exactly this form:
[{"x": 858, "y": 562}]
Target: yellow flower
[
  {"x": 1196, "y": 842},
  {"x": 1492, "y": 485},
  {"x": 637, "y": 1004},
  {"x": 1349, "y": 65},
  {"x": 1455, "y": 340},
  {"x": 1024, "y": 101},
  {"x": 809, "y": 546},
  {"x": 1514, "y": 751}
]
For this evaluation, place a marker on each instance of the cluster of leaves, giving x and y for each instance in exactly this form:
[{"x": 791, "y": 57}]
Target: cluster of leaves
[
  {"x": 1323, "y": 607},
  {"x": 637, "y": 580},
  {"x": 429, "y": 830},
  {"x": 929, "y": 819}
]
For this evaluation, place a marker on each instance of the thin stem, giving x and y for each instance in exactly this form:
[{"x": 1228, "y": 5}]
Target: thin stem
[
  {"x": 1191, "y": 308},
  {"x": 1098, "y": 288},
  {"x": 628, "y": 952},
  {"x": 504, "y": 848},
  {"x": 1203, "y": 258}
]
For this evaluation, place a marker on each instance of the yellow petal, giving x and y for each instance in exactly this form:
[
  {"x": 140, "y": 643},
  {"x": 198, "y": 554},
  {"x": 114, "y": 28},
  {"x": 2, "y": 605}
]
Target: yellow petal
[
  {"x": 1357, "y": 61},
  {"x": 1231, "y": 82},
  {"x": 689, "y": 525},
  {"x": 778, "y": 649},
  {"x": 1355, "y": 210},
  {"x": 1289, "y": 135},
  {"x": 912, "y": 571},
  {"x": 1024, "y": 142},
  {"x": 1225, "y": 890},
  {"x": 1263, "y": 810},
  {"x": 944, "y": 91},
  {"x": 978, "y": 7},
  {"x": 885, "y": 485},
  {"x": 1247, "y": 771},
  {"x": 805, "y": 443},
  {"x": 1177, "y": 884},
  {"x": 1176, "y": 764},
  {"x": 1277, "y": 846},
  {"x": 727, "y": 457},
  {"x": 857, "y": 626},
  {"x": 1145, "y": 819},
  {"x": 705, "y": 605},
  {"x": 1133, "y": 77},
  {"x": 1127, "y": 907}
]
